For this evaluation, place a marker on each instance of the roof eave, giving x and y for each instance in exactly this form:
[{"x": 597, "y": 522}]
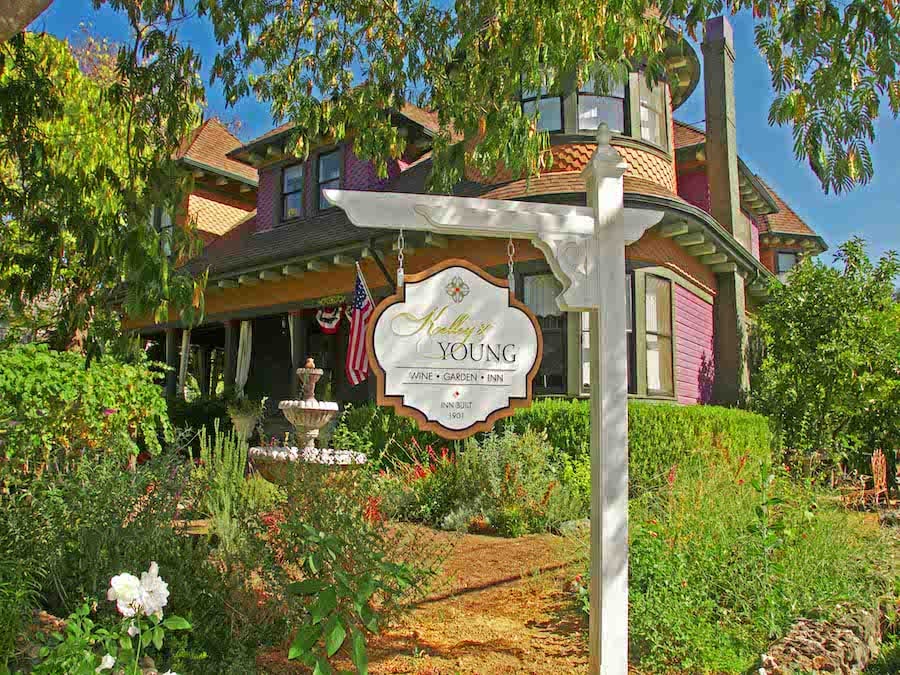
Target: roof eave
[{"x": 193, "y": 163}]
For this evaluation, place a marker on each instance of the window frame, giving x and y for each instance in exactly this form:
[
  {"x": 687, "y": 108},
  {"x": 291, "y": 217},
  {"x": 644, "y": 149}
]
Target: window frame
[
  {"x": 663, "y": 114},
  {"x": 780, "y": 273},
  {"x": 283, "y": 218},
  {"x": 626, "y": 108},
  {"x": 538, "y": 388},
  {"x": 320, "y": 184},
  {"x": 584, "y": 387},
  {"x": 670, "y": 336},
  {"x": 540, "y": 95}
]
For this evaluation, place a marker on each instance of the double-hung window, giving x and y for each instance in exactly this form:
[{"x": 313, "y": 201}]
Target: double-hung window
[
  {"x": 594, "y": 108},
  {"x": 329, "y": 175},
  {"x": 547, "y": 105},
  {"x": 629, "y": 333},
  {"x": 292, "y": 192},
  {"x": 653, "y": 113},
  {"x": 658, "y": 304}
]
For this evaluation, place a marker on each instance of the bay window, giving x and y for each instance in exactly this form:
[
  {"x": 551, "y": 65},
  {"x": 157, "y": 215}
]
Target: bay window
[
  {"x": 594, "y": 108},
  {"x": 653, "y": 113},
  {"x": 548, "y": 107}
]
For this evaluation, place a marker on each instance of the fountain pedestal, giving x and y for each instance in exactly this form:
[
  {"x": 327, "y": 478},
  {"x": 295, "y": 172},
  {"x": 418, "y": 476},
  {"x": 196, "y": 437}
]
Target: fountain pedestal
[{"x": 307, "y": 416}]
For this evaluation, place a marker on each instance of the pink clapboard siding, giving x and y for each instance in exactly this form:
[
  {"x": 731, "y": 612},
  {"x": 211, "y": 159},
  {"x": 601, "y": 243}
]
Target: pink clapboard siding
[
  {"x": 693, "y": 188},
  {"x": 693, "y": 347}
]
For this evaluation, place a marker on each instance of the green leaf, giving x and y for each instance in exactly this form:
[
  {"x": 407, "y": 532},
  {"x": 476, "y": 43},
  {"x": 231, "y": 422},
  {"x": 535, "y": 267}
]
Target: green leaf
[
  {"x": 324, "y": 605},
  {"x": 304, "y": 640},
  {"x": 322, "y": 667},
  {"x": 306, "y": 587},
  {"x": 358, "y": 651},
  {"x": 176, "y": 623},
  {"x": 158, "y": 637},
  {"x": 334, "y": 636}
]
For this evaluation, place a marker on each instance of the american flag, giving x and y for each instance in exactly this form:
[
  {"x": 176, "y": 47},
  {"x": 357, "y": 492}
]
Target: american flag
[{"x": 360, "y": 310}]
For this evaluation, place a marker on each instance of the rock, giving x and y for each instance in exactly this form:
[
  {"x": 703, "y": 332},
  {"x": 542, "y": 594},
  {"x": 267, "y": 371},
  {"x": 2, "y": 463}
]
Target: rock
[
  {"x": 889, "y": 518},
  {"x": 845, "y": 645}
]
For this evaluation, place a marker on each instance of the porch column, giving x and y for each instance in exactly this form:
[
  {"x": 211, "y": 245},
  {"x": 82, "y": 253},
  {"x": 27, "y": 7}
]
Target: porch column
[
  {"x": 171, "y": 362},
  {"x": 298, "y": 327},
  {"x": 216, "y": 369},
  {"x": 231, "y": 344},
  {"x": 608, "y": 631},
  {"x": 203, "y": 370}
]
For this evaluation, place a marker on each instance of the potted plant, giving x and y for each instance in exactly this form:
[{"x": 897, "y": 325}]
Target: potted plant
[{"x": 245, "y": 414}]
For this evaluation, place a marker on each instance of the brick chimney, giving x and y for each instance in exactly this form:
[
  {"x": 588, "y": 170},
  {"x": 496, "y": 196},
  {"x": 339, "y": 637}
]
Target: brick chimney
[
  {"x": 732, "y": 379},
  {"x": 721, "y": 136}
]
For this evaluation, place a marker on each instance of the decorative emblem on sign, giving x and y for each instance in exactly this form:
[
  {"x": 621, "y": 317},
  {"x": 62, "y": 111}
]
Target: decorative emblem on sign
[
  {"x": 458, "y": 366},
  {"x": 457, "y": 289}
]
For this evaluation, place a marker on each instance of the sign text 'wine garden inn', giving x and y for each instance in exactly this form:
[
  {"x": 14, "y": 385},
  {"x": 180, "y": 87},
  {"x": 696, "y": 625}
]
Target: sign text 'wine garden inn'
[{"x": 454, "y": 349}]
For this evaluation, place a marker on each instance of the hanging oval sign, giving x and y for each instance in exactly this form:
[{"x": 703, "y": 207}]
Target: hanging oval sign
[{"x": 454, "y": 349}]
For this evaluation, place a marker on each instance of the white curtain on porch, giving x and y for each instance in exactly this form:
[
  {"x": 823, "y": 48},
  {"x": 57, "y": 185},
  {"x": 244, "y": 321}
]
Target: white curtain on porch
[
  {"x": 185, "y": 358},
  {"x": 243, "y": 357},
  {"x": 539, "y": 294}
]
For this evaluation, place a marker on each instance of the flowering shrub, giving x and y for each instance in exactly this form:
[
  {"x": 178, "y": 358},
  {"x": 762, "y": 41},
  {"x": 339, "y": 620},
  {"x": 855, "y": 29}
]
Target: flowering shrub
[
  {"x": 54, "y": 408},
  {"x": 507, "y": 481},
  {"x": 88, "y": 647}
]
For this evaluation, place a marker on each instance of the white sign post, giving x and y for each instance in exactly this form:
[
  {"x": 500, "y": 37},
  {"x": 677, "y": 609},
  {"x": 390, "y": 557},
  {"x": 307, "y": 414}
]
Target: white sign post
[
  {"x": 454, "y": 349},
  {"x": 585, "y": 248}
]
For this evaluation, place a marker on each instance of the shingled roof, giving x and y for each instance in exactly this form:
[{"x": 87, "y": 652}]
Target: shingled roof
[
  {"x": 208, "y": 147},
  {"x": 784, "y": 221}
]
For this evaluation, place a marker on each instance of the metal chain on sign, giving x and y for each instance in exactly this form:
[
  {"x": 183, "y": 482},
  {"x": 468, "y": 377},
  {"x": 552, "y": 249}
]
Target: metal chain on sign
[
  {"x": 511, "y": 252},
  {"x": 400, "y": 243}
]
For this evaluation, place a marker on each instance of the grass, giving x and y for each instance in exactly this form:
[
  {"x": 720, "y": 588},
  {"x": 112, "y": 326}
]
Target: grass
[{"x": 724, "y": 559}]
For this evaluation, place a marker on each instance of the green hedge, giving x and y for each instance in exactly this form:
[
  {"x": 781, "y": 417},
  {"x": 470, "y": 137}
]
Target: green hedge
[
  {"x": 53, "y": 407},
  {"x": 660, "y": 435}
]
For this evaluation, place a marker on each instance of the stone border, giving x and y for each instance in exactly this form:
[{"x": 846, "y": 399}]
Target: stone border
[{"x": 846, "y": 645}]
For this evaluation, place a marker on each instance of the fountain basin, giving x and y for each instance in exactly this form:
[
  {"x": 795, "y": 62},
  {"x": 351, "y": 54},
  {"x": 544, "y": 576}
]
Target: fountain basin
[{"x": 273, "y": 462}]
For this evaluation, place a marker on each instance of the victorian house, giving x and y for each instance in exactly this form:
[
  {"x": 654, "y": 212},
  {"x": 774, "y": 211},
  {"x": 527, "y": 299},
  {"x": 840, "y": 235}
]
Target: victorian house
[{"x": 694, "y": 280}]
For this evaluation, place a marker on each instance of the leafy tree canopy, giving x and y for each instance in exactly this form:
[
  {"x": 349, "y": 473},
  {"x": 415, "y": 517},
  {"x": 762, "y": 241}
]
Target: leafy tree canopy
[
  {"x": 83, "y": 159},
  {"x": 830, "y": 376},
  {"x": 334, "y": 66}
]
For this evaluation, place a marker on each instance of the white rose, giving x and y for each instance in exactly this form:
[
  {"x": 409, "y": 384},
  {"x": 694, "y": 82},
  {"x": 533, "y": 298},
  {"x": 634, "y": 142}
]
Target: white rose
[
  {"x": 106, "y": 663},
  {"x": 154, "y": 591},
  {"x": 125, "y": 591}
]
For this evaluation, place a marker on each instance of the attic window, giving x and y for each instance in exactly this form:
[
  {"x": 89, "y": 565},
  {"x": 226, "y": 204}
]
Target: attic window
[{"x": 292, "y": 192}]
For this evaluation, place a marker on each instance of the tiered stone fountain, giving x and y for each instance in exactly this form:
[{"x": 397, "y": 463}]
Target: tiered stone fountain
[{"x": 307, "y": 416}]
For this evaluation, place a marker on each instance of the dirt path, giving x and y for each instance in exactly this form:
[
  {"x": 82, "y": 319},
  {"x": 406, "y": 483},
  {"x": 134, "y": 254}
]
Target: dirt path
[{"x": 500, "y": 607}]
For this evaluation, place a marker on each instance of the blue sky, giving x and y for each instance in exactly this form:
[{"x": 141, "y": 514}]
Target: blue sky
[{"x": 872, "y": 212}]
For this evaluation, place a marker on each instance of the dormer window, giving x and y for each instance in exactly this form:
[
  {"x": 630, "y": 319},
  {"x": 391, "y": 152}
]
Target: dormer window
[
  {"x": 329, "y": 175},
  {"x": 292, "y": 192},
  {"x": 548, "y": 106},
  {"x": 594, "y": 108}
]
